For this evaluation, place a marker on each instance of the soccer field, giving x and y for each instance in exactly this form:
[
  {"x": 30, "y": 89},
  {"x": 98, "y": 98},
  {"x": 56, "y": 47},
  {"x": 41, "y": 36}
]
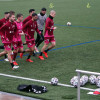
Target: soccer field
[{"x": 77, "y": 47}]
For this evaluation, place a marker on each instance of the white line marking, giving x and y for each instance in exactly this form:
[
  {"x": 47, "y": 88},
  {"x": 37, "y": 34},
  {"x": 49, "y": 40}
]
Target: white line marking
[{"x": 42, "y": 81}]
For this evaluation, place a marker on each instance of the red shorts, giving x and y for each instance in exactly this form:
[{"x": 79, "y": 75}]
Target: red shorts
[
  {"x": 18, "y": 44},
  {"x": 7, "y": 46},
  {"x": 30, "y": 43},
  {"x": 48, "y": 40}
]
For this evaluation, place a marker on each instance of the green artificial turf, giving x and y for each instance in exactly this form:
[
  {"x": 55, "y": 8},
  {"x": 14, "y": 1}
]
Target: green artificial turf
[{"x": 63, "y": 62}]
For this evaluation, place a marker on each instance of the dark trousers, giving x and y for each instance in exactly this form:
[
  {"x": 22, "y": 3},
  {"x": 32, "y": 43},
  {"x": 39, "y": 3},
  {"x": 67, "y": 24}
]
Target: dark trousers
[{"x": 39, "y": 39}]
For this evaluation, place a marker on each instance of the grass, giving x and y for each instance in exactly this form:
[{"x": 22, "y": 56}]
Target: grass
[{"x": 61, "y": 63}]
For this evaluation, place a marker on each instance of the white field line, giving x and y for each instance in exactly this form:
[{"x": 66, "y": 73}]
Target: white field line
[{"x": 42, "y": 81}]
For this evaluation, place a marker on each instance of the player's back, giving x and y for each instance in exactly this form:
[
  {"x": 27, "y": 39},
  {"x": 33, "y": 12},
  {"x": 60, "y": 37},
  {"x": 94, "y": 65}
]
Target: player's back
[
  {"x": 49, "y": 27},
  {"x": 3, "y": 21},
  {"x": 19, "y": 29},
  {"x": 9, "y": 29},
  {"x": 27, "y": 19}
]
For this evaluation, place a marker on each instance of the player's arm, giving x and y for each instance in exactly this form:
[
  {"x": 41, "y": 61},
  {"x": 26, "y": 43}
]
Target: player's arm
[
  {"x": 2, "y": 31},
  {"x": 24, "y": 21},
  {"x": 48, "y": 26},
  {"x": 22, "y": 33},
  {"x": 1, "y": 23},
  {"x": 25, "y": 26}
]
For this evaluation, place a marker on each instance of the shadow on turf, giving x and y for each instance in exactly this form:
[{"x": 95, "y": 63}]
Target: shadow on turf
[{"x": 69, "y": 97}]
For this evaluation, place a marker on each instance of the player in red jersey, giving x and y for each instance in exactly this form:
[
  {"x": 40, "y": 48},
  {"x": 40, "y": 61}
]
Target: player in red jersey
[
  {"x": 2, "y": 22},
  {"x": 48, "y": 36},
  {"x": 29, "y": 29},
  {"x": 8, "y": 32},
  {"x": 19, "y": 42},
  {"x": 31, "y": 11}
]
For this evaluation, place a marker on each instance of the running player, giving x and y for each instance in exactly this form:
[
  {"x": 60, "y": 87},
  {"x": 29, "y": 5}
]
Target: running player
[
  {"x": 8, "y": 31},
  {"x": 31, "y": 11},
  {"x": 48, "y": 36},
  {"x": 19, "y": 42},
  {"x": 2, "y": 22},
  {"x": 40, "y": 21},
  {"x": 30, "y": 27}
]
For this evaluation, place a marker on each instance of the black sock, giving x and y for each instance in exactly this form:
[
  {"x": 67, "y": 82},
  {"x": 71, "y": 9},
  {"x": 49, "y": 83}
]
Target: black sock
[
  {"x": 34, "y": 54},
  {"x": 1, "y": 47},
  {"x": 24, "y": 51},
  {"x": 12, "y": 48},
  {"x": 5, "y": 56},
  {"x": 28, "y": 56},
  {"x": 41, "y": 53},
  {"x": 12, "y": 65},
  {"x": 47, "y": 50}
]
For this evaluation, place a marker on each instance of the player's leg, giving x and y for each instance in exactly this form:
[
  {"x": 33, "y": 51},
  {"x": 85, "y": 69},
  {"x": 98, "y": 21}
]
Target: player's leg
[
  {"x": 41, "y": 39},
  {"x": 30, "y": 54},
  {"x": 15, "y": 52},
  {"x": 9, "y": 52},
  {"x": 37, "y": 39},
  {"x": 3, "y": 53},
  {"x": 42, "y": 50},
  {"x": 53, "y": 44}
]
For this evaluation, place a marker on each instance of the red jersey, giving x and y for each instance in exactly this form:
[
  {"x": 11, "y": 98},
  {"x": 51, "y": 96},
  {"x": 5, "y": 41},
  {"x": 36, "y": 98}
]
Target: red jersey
[
  {"x": 27, "y": 19},
  {"x": 8, "y": 32},
  {"x": 29, "y": 28},
  {"x": 49, "y": 27},
  {"x": 3, "y": 21},
  {"x": 19, "y": 27}
]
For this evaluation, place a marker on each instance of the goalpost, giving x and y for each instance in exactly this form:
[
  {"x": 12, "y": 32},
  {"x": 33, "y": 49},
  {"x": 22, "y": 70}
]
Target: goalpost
[{"x": 78, "y": 74}]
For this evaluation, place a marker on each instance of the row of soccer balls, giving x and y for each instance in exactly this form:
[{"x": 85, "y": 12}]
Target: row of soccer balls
[{"x": 85, "y": 79}]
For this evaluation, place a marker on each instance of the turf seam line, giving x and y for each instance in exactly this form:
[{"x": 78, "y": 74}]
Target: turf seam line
[{"x": 42, "y": 81}]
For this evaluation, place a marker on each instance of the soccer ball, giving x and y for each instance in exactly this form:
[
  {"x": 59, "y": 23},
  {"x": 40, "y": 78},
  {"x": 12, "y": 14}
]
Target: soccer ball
[
  {"x": 97, "y": 79},
  {"x": 92, "y": 79},
  {"x": 75, "y": 83},
  {"x": 54, "y": 81},
  {"x": 85, "y": 78},
  {"x": 73, "y": 79},
  {"x": 98, "y": 83},
  {"x": 82, "y": 82},
  {"x": 68, "y": 23}
]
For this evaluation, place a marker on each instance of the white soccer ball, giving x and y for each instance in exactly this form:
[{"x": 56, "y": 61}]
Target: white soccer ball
[
  {"x": 75, "y": 83},
  {"x": 92, "y": 79},
  {"x": 68, "y": 23},
  {"x": 98, "y": 83},
  {"x": 82, "y": 82},
  {"x": 97, "y": 79},
  {"x": 73, "y": 79},
  {"x": 54, "y": 81},
  {"x": 85, "y": 78}
]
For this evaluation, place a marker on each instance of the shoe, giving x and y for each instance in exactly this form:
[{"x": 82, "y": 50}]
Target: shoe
[
  {"x": 41, "y": 57},
  {"x": 6, "y": 59},
  {"x": 15, "y": 67},
  {"x": 21, "y": 55},
  {"x": 36, "y": 49},
  {"x": 46, "y": 55},
  {"x": 29, "y": 60},
  {"x": 15, "y": 63}
]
